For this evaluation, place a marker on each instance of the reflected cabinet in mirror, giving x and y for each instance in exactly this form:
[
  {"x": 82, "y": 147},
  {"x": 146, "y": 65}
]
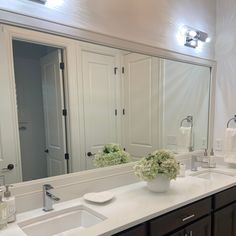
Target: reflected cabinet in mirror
[{"x": 129, "y": 105}]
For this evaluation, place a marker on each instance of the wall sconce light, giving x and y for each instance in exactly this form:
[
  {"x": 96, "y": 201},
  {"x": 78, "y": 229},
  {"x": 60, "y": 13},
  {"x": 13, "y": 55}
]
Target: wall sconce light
[{"x": 193, "y": 36}]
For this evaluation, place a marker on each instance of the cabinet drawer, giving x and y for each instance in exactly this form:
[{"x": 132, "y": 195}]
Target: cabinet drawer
[
  {"x": 176, "y": 219},
  {"x": 224, "y": 198}
]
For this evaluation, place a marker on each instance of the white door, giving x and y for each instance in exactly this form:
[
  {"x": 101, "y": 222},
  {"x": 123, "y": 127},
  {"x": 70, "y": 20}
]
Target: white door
[
  {"x": 99, "y": 102},
  {"x": 52, "y": 81},
  {"x": 9, "y": 168},
  {"x": 9, "y": 135},
  {"x": 141, "y": 104}
]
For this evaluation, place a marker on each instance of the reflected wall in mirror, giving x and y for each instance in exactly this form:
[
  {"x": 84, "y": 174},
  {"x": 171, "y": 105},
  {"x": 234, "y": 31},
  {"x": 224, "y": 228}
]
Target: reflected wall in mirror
[
  {"x": 186, "y": 93},
  {"x": 134, "y": 100}
]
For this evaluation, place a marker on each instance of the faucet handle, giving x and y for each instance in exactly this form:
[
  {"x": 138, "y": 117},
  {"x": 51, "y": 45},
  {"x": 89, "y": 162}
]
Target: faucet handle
[{"x": 47, "y": 186}]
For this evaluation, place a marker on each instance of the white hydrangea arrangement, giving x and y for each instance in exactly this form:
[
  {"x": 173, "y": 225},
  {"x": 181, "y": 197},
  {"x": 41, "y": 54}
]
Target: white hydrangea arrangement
[
  {"x": 111, "y": 154},
  {"x": 159, "y": 162}
]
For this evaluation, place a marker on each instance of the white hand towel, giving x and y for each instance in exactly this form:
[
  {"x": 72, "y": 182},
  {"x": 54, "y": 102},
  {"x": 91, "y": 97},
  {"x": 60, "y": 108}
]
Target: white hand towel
[
  {"x": 230, "y": 146},
  {"x": 184, "y": 139}
]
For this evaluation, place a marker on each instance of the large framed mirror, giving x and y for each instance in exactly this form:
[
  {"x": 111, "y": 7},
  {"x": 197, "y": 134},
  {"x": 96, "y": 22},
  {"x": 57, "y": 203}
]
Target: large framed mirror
[{"x": 71, "y": 98}]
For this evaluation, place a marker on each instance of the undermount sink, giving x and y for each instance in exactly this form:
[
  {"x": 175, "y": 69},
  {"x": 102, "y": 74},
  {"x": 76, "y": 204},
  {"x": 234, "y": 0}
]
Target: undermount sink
[
  {"x": 213, "y": 174},
  {"x": 57, "y": 222}
]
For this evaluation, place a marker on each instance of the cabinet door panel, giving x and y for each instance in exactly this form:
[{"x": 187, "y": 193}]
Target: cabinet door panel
[
  {"x": 179, "y": 233},
  {"x": 225, "y": 221},
  {"x": 200, "y": 228}
]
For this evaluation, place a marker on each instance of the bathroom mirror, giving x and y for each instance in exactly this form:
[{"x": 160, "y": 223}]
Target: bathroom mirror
[{"x": 140, "y": 102}]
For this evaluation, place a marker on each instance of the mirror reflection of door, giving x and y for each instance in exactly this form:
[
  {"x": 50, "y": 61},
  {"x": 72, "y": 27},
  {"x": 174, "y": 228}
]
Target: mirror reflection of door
[
  {"x": 99, "y": 102},
  {"x": 141, "y": 104},
  {"x": 40, "y": 101}
]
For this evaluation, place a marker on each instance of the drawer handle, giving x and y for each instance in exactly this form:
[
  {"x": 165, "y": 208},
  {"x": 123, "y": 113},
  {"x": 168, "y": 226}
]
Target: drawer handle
[{"x": 188, "y": 217}]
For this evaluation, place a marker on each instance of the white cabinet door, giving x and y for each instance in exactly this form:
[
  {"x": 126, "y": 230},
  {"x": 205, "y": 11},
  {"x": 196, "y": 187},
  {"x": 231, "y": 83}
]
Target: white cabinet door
[
  {"x": 99, "y": 102},
  {"x": 54, "y": 120},
  {"x": 141, "y": 104}
]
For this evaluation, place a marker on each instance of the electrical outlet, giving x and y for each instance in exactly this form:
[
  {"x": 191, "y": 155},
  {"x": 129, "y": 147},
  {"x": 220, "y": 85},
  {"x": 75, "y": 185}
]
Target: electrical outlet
[{"x": 218, "y": 145}]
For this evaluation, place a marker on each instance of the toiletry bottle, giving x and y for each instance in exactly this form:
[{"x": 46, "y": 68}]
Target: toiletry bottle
[
  {"x": 212, "y": 161},
  {"x": 3, "y": 213},
  {"x": 182, "y": 169},
  {"x": 205, "y": 159},
  {"x": 11, "y": 205}
]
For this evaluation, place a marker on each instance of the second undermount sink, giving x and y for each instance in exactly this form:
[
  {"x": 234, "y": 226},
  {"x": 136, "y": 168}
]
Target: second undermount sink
[
  {"x": 57, "y": 222},
  {"x": 213, "y": 174}
]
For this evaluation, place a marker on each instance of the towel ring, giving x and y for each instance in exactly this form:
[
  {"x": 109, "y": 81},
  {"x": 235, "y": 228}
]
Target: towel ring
[
  {"x": 232, "y": 119},
  {"x": 189, "y": 119}
]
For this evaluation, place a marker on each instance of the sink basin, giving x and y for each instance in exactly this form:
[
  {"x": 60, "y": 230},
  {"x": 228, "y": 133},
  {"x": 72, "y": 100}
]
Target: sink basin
[
  {"x": 213, "y": 174},
  {"x": 57, "y": 222}
]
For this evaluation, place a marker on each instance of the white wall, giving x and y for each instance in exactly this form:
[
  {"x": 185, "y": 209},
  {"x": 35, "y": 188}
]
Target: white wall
[
  {"x": 30, "y": 115},
  {"x": 226, "y": 75},
  {"x": 153, "y": 22}
]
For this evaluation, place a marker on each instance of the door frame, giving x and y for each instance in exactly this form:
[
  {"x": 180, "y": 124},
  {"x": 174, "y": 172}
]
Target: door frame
[{"x": 70, "y": 78}]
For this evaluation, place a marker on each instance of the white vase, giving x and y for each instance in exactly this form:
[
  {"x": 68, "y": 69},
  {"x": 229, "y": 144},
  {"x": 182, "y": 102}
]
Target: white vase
[{"x": 160, "y": 184}]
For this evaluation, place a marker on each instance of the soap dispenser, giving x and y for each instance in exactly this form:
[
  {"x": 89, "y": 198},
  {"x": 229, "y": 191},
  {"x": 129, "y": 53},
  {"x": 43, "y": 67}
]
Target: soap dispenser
[
  {"x": 3, "y": 213},
  {"x": 11, "y": 205}
]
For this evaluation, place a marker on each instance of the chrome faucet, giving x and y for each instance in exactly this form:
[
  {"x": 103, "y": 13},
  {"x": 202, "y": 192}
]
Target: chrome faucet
[{"x": 48, "y": 198}]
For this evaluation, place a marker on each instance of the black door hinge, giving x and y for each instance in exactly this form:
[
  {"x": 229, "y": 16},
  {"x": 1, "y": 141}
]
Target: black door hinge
[
  {"x": 123, "y": 69},
  {"x": 62, "y": 65},
  {"x": 123, "y": 111},
  {"x": 67, "y": 156},
  {"x": 115, "y": 112},
  {"x": 115, "y": 70},
  {"x": 64, "y": 112}
]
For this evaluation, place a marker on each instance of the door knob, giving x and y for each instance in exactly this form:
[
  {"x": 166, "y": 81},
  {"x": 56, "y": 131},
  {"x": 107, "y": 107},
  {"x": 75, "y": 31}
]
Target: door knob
[
  {"x": 8, "y": 168},
  {"x": 90, "y": 154},
  {"x": 46, "y": 151}
]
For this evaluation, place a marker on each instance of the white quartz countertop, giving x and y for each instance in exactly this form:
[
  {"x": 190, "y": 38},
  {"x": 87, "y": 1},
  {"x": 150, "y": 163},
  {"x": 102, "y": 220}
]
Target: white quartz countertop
[{"x": 134, "y": 204}]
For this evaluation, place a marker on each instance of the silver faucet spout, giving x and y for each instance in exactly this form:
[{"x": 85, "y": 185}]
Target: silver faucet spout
[
  {"x": 53, "y": 197},
  {"x": 48, "y": 198}
]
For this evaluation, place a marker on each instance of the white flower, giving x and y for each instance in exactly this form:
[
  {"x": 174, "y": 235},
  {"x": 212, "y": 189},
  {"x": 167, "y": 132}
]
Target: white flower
[{"x": 158, "y": 162}]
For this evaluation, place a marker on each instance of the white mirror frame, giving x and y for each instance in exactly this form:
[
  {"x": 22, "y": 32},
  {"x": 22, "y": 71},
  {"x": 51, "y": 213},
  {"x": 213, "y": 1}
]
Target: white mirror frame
[{"x": 39, "y": 26}]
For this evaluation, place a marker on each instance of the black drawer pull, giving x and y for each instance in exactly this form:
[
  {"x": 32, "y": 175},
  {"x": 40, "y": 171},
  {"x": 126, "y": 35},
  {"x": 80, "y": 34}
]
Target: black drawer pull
[{"x": 188, "y": 217}]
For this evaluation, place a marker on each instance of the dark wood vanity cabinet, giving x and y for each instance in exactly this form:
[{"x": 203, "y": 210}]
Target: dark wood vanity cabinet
[
  {"x": 199, "y": 228},
  {"x": 225, "y": 221},
  {"x": 180, "y": 218},
  {"x": 140, "y": 230},
  {"x": 224, "y": 216},
  {"x": 212, "y": 216}
]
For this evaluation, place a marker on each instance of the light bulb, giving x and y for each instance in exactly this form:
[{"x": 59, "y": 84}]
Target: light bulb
[
  {"x": 208, "y": 40},
  {"x": 192, "y": 33},
  {"x": 193, "y": 43},
  {"x": 183, "y": 30}
]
